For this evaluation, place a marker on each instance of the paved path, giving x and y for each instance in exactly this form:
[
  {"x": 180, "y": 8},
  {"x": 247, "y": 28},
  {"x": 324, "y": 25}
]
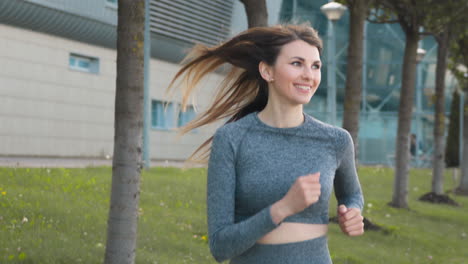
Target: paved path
[{"x": 38, "y": 162}]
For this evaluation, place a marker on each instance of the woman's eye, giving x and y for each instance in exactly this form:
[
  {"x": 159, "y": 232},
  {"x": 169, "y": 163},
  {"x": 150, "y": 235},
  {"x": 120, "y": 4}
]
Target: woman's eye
[
  {"x": 296, "y": 63},
  {"x": 316, "y": 66}
]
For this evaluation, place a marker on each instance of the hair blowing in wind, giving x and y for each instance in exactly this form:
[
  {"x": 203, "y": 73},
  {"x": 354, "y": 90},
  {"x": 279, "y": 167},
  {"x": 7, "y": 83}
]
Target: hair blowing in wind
[{"x": 243, "y": 90}]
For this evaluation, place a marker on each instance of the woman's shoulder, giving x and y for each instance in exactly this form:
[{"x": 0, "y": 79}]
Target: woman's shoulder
[
  {"x": 236, "y": 128},
  {"x": 340, "y": 135},
  {"x": 320, "y": 125}
]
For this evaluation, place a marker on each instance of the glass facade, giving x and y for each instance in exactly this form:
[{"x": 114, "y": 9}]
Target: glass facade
[{"x": 384, "y": 49}]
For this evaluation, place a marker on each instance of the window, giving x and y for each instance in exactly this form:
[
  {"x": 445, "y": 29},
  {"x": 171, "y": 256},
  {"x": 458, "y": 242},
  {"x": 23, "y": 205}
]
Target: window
[
  {"x": 112, "y": 3},
  {"x": 83, "y": 63},
  {"x": 187, "y": 116},
  {"x": 163, "y": 115}
]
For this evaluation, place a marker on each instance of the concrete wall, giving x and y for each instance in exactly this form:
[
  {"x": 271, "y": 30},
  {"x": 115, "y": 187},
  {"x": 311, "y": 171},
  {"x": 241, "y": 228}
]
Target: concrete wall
[{"x": 48, "y": 109}]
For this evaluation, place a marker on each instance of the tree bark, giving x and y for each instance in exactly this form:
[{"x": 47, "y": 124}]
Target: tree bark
[
  {"x": 353, "y": 90},
  {"x": 400, "y": 189},
  {"x": 452, "y": 145},
  {"x": 439, "y": 124},
  {"x": 127, "y": 158},
  {"x": 257, "y": 15}
]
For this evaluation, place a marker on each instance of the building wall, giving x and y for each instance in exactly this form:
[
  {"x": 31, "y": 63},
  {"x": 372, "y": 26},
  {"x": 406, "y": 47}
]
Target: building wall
[
  {"x": 48, "y": 109},
  {"x": 166, "y": 144}
]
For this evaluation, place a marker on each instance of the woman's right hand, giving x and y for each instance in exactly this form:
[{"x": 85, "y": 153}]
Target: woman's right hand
[{"x": 304, "y": 192}]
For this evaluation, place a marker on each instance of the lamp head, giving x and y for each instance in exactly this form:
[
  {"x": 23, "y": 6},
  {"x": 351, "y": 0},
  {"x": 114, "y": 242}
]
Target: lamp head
[
  {"x": 333, "y": 10},
  {"x": 420, "y": 53}
]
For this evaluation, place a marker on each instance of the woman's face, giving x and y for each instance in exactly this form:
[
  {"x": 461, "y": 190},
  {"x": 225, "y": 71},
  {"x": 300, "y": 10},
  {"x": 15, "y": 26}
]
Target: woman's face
[{"x": 296, "y": 74}]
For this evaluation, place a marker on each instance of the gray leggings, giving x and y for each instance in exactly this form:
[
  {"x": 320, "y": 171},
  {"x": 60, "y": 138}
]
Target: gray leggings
[{"x": 314, "y": 251}]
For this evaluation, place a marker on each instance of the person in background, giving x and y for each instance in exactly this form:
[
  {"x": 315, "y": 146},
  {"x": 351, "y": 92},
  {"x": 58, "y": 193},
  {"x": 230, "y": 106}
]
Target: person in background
[{"x": 413, "y": 145}]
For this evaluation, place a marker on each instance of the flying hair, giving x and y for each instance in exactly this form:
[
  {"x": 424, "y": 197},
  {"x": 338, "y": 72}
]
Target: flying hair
[{"x": 243, "y": 90}]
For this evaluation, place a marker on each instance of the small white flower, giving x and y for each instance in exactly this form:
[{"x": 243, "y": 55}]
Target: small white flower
[
  {"x": 369, "y": 205},
  {"x": 25, "y": 220},
  {"x": 99, "y": 245},
  {"x": 387, "y": 215}
]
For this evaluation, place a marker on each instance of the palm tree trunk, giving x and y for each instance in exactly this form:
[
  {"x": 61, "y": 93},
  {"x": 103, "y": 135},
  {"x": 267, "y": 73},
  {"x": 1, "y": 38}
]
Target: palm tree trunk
[
  {"x": 400, "y": 189},
  {"x": 127, "y": 159},
  {"x": 257, "y": 15},
  {"x": 439, "y": 125},
  {"x": 353, "y": 90}
]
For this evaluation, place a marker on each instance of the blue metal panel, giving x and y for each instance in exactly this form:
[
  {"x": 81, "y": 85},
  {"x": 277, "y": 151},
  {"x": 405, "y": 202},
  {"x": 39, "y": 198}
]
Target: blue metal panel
[
  {"x": 175, "y": 25},
  {"x": 97, "y": 10},
  {"x": 55, "y": 17},
  {"x": 203, "y": 21}
]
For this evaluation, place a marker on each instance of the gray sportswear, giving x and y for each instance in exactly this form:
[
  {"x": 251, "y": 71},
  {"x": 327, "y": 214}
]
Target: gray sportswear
[{"x": 253, "y": 165}]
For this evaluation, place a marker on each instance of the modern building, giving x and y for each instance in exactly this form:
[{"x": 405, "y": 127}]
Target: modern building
[
  {"x": 57, "y": 83},
  {"x": 58, "y": 74}
]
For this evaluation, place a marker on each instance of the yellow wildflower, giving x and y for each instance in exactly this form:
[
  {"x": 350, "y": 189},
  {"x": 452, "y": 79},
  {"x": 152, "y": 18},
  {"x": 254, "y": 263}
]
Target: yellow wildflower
[
  {"x": 204, "y": 238},
  {"x": 3, "y": 193}
]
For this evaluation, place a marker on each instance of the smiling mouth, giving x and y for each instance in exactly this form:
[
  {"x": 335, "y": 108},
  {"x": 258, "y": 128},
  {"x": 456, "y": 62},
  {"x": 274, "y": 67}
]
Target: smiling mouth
[{"x": 303, "y": 87}]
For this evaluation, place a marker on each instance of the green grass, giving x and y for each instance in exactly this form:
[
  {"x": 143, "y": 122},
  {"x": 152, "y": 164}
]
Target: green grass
[{"x": 66, "y": 212}]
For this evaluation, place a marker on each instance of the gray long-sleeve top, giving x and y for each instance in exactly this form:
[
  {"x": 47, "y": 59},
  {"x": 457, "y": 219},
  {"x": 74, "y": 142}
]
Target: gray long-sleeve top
[{"x": 253, "y": 165}]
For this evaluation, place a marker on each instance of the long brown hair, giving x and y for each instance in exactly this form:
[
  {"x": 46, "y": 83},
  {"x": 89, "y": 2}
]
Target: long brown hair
[{"x": 242, "y": 90}]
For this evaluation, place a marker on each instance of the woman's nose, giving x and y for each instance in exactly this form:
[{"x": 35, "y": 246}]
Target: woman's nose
[{"x": 307, "y": 73}]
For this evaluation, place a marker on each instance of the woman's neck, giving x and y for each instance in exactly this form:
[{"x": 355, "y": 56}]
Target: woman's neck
[{"x": 282, "y": 117}]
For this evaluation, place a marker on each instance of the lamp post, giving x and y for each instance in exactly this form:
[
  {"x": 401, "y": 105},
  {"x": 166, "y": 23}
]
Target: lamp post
[
  {"x": 420, "y": 53},
  {"x": 464, "y": 70},
  {"x": 461, "y": 116},
  {"x": 333, "y": 11},
  {"x": 146, "y": 94}
]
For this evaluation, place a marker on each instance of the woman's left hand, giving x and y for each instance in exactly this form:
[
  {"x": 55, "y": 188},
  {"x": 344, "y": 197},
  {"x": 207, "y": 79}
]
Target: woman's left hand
[{"x": 351, "y": 221}]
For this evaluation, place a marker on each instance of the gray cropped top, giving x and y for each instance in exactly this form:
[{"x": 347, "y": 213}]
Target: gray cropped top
[{"x": 253, "y": 165}]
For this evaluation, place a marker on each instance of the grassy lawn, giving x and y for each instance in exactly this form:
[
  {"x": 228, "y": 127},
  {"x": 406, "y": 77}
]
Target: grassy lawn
[{"x": 59, "y": 216}]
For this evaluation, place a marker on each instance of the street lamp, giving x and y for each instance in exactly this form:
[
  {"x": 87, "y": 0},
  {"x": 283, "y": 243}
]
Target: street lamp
[
  {"x": 146, "y": 94},
  {"x": 333, "y": 11},
  {"x": 464, "y": 70},
  {"x": 420, "y": 53}
]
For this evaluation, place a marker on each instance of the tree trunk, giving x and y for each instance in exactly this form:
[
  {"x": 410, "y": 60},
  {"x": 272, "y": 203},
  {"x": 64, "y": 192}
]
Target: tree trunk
[
  {"x": 439, "y": 125},
  {"x": 463, "y": 187},
  {"x": 353, "y": 90},
  {"x": 127, "y": 159},
  {"x": 257, "y": 15},
  {"x": 452, "y": 146},
  {"x": 400, "y": 189}
]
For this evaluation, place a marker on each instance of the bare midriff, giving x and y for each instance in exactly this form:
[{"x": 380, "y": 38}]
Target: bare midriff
[{"x": 288, "y": 232}]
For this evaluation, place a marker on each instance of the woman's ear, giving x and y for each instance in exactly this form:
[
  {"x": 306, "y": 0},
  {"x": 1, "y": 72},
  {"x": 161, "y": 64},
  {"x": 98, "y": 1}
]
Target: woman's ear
[{"x": 265, "y": 71}]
